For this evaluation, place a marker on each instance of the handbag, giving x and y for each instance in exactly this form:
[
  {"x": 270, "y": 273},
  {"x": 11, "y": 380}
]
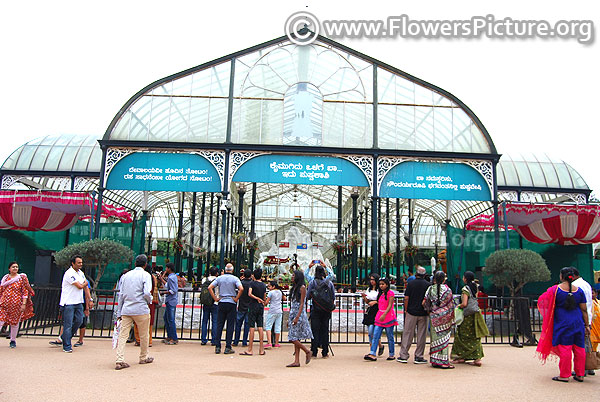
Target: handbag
[
  {"x": 370, "y": 313},
  {"x": 472, "y": 305},
  {"x": 427, "y": 306},
  {"x": 592, "y": 359},
  {"x": 458, "y": 316}
]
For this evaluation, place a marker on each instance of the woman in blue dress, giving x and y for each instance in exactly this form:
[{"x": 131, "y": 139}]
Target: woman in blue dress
[
  {"x": 564, "y": 328},
  {"x": 298, "y": 326}
]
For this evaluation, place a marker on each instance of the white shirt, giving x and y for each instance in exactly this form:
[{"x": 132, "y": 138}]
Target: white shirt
[
  {"x": 71, "y": 294},
  {"x": 587, "y": 289},
  {"x": 135, "y": 293},
  {"x": 371, "y": 294}
]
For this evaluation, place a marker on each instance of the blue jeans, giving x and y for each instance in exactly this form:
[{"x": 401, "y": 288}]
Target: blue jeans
[
  {"x": 72, "y": 319},
  {"x": 371, "y": 332},
  {"x": 169, "y": 318},
  {"x": 377, "y": 335},
  {"x": 209, "y": 313},
  {"x": 241, "y": 317}
]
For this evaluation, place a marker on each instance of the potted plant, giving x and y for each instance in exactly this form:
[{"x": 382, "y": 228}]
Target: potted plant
[
  {"x": 252, "y": 245},
  {"x": 411, "y": 250},
  {"x": 239, "y": 237},
  {"x": 338, "y": 247},
  {"x": 355, "y": 240},
  {"x": 387, "y": 257}
]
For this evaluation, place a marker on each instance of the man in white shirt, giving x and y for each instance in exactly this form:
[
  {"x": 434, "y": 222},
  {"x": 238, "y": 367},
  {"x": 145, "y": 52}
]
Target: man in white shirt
[
  {"x": 135, "y": 293},
  {"x": 71, "y": 298}
]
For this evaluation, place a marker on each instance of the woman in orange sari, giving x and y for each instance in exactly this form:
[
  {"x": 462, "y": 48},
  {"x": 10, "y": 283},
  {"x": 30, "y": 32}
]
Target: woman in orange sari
[
  {"x": 15, "y": 300},
  {"x": 564, "y": 326}
]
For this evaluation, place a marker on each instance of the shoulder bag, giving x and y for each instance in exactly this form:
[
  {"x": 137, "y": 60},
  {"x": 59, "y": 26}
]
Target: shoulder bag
[{"x": 472, "y": 305}]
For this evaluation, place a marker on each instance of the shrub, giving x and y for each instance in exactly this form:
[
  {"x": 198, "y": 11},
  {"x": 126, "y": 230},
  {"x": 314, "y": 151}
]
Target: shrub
[
  {"x": 96, "y": 253},
  {"x": 514, "y": 268}
]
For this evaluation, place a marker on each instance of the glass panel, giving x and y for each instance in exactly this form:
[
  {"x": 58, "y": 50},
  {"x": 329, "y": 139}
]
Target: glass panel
[
  {"x": 510, "y": 172},
  {"x": 95, "y": 163},
  {"x": 564, "y": 177},
  {"x": 537, "y": 174},
  {"x": 524, "y": 175},
  {"x": 54, "y": 157},
  {"x": 159, "y": 120},
  {"x": 39, "y": 159},
  {"x": 550, "y": 174}
]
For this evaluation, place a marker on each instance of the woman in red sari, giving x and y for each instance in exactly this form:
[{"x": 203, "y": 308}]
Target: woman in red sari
[
  {"x": 15, "y": 300},
  {"x": 564, "y": 326}
]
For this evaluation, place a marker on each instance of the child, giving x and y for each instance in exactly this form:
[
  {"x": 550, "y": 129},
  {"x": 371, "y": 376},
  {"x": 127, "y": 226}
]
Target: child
[{"x": 275, "y": 313}]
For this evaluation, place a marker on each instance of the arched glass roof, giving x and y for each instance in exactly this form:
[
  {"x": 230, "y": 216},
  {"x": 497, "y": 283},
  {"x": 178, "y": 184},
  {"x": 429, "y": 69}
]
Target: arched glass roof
[
  {"x": 57, "y": 153},
  {"x": 82, "y": 154},
  {"x": 539, "y": 171},
  {"x": 323, "y": 94}
]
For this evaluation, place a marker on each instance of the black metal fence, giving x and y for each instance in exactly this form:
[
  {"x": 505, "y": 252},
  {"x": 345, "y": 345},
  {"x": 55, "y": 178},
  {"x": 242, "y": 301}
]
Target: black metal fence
[{"x": 504, "y": 316}]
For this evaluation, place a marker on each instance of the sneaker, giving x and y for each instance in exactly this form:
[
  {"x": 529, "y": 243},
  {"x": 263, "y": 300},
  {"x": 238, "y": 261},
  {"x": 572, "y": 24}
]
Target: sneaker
[
  {"x": 68, "y": 350},
  {"x": 217, "y": 350},
  {"x": 228, "y": 351},
  {"x": 203, "y": 343},
  {"x": 277, "y": 345},
  {"x": 13, "y": 344},
  {"x": 420, "y": 361},
  {"x": 401, "y": 360},
  {"x": 268, "y": 346}
]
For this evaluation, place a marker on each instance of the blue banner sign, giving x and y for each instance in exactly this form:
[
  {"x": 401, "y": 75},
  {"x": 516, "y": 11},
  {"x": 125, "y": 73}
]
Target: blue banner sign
[
  {"x": 301, "y": 169},
  {"x": 434, "y": 181},
  {"x": 147, "y": 171}
]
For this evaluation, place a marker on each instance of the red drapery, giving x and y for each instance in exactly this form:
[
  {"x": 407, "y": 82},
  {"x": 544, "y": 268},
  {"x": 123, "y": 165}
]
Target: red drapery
[
  {"x": 546, "y": 223},
  {"x": 50, "y": 210}
]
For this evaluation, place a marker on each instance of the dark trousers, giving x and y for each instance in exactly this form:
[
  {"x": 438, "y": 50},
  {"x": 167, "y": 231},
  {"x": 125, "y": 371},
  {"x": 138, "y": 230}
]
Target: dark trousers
[
  {"x": 319, "y": 324},
  {"x": 227, "y": 312}
]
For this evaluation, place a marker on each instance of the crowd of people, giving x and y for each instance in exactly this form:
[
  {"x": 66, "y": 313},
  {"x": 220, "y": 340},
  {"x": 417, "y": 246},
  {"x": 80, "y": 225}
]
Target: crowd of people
[
  {"x": 570, "y": 311},
  {"x": 426, "y": 306}
]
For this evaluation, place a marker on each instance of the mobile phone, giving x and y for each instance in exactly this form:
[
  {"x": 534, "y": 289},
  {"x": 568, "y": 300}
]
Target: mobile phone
[{"x": 316, "y": 261}]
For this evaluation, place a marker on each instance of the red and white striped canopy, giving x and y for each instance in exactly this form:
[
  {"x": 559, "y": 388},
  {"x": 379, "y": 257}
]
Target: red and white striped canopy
[
  {"x": 50, "y": 211},
  {"x": 547, "y": 223}
]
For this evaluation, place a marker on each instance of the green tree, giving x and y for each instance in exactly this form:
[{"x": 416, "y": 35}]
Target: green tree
[
  {"x": 514, "y": 268},
  {"x": 97, "y": 253}
]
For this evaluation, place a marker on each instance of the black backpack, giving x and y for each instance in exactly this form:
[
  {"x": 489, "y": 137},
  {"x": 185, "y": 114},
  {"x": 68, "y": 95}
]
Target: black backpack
[
  {"x": 205, "y": 297},
  {"x": 322, "y": 296}
]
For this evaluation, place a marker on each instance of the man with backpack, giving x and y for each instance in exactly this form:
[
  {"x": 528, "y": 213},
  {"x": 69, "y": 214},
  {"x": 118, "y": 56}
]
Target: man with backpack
[
  {"x": 322, "y": 294},
  {"x": 209, "y": 308}
]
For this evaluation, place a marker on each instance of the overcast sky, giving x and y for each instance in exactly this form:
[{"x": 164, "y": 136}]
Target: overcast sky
[{"x": 68, "y": 66}]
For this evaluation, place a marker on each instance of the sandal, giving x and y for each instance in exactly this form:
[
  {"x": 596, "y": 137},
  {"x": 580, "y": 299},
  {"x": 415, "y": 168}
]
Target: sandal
[
  {"x": 381, "y": 350},
  {"x": 172, "y": 342},
  {"x": 78, "y": 343},
  {"x": 560, "y": 379},
  {"x": 390, "y": 358},
  {"x": 370, "y": 358},
  {"x": 121, "y": 366},
  {"x": 578, "y": 378},
  {"x": 308, "y": 357},
  {"x": 458, "y": 361},
  {"x": 147, "y": 360},
  {"x": 262, "y": 353},
  {"x": 476, "y": 363},
  {"x": 293, "y": 365},
  {"x": 245, "y": 353}
]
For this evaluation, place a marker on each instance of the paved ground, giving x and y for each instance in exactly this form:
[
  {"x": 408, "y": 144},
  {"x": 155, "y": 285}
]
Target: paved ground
[{"x": 36, "y": 371}]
